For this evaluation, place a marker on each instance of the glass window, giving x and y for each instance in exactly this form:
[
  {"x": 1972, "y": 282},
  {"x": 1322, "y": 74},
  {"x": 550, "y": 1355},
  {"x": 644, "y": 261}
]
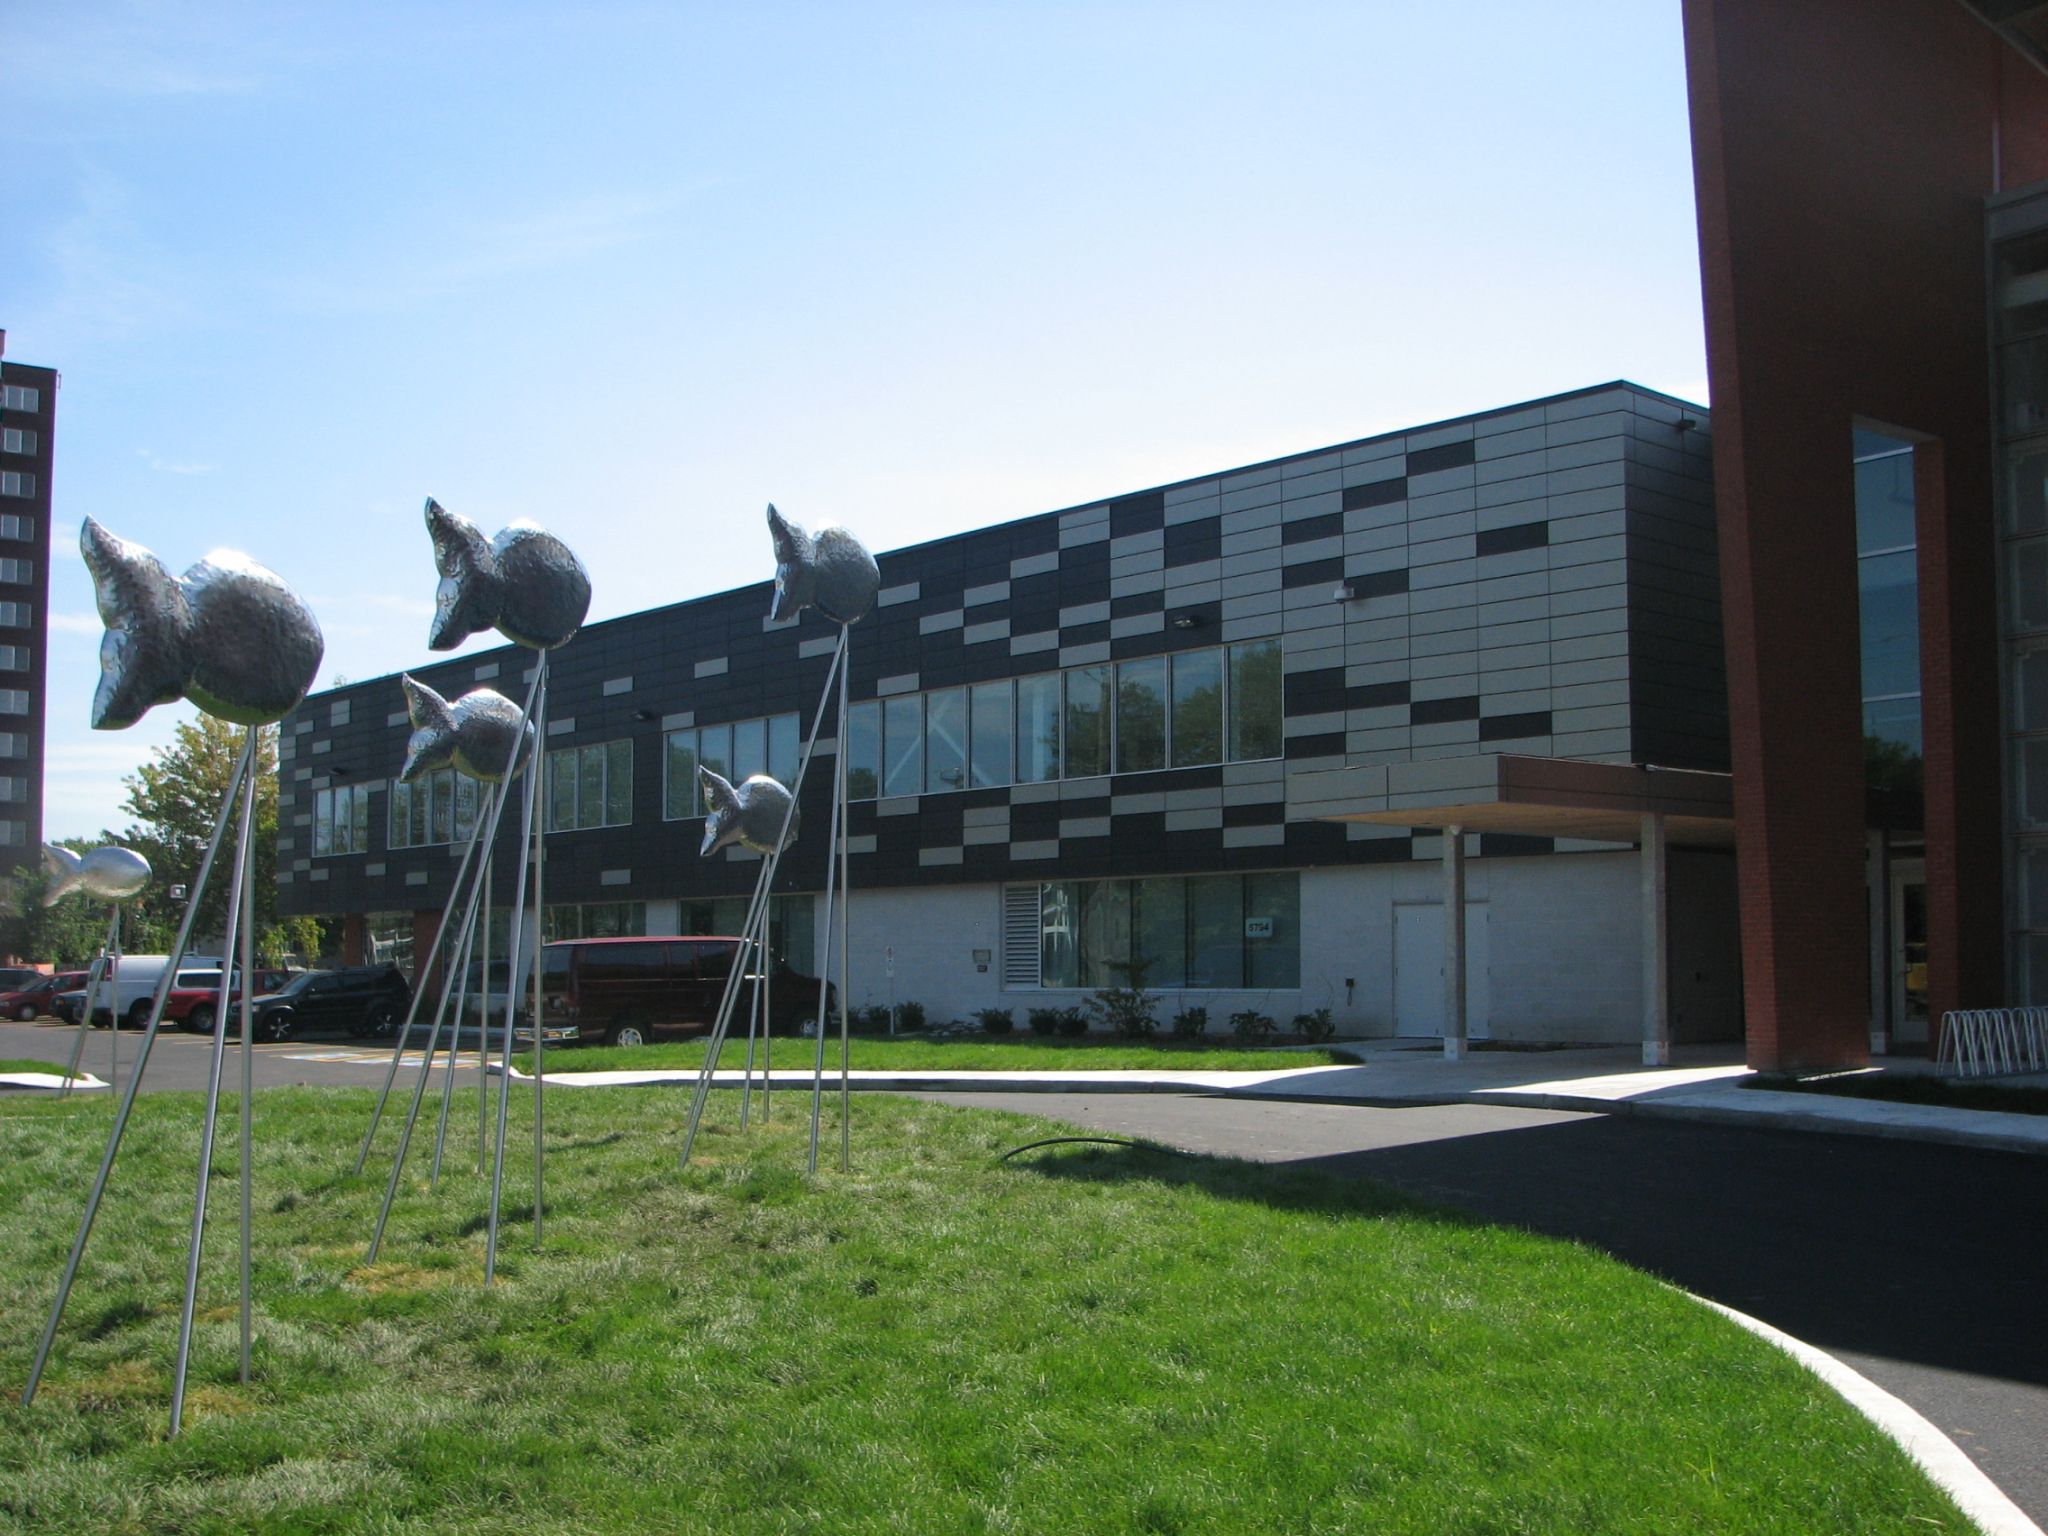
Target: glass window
[
  {"x": 989, "y": 707},
  {"x": 20, "y": 572},
  {"x": 1059, "y": 938},
  {"x": 441, "y": 792},
  {"x": 2027, "y": 507},
  {"x": 1215, "y": 931},
  {"x": 1254, "y": 700},
  {"x": 903, "y": 744},
  {"x": 562, "y": 790},
  {"x": 714, "y": 751},
  {"x": 323, "y": 823},
  {"x": 1088, "y": 717},
  {"x": 1890, "y": 592},
  {"x": 13, "y": 701},
  {"x": 618, "y": 783},
  {"x": 945, "y": 739},
  {"x": 1197, "y": 708},
  {"x": 359, "y": 819},
  {"x": 1141, "y": 715},
  {"x": 589, "y": 785},
  {"x": 417, "y": 819},
  {"x": 749, "y": 749},
  {"x": 679, "y": 776},
  {"x": 784, "y": 749},
  {"x": 13, "y": 525},
  {"x": 1158, "y": 933},
  {"x": 466, "y": 798},
  {"x": 1272, "y": 905},
  {"x": 1105, "y": 932},
  {"x": 1038, "y": 728},
  {"x": 398, "y": 834},
  {"x": 1884, "y": 501},
  {"x": 864, "y": 750}
]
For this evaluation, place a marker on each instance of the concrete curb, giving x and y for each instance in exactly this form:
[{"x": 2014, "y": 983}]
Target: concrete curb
[{"x": 1938, "y": 1456}]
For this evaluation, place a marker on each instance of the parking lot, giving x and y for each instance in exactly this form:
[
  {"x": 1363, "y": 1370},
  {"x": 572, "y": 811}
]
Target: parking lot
[{"x": 180, "y": 1061}]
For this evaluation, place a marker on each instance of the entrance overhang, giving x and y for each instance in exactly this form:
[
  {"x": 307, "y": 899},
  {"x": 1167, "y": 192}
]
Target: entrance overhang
[{"x": 1529, "y": 796}]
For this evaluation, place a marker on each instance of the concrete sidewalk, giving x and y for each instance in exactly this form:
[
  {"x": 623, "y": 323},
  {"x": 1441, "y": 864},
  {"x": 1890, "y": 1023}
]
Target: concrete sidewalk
[{"x": 1703, "y": 1084}]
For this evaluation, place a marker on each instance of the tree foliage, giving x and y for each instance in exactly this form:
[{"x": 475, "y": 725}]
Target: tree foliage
[{"x": 174, "y": 798}]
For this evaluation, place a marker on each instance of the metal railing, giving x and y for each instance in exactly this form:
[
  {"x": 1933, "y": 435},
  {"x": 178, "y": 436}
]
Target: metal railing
[{"x": 1994, "y": 1042}]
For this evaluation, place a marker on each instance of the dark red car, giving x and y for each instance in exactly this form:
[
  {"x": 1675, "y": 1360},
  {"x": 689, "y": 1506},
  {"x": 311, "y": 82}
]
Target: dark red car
[{"x": 36, "y": 998}]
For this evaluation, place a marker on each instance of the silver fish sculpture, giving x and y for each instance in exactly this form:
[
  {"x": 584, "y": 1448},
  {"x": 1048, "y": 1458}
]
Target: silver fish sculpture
[
  {"x": 229, "y": 635},
  {"x": 750, "y": 814},
  {"x": 830, "y": 571},
  {"x": 110, "y": 873},
  {"x": 526, "y": 583},
  {"x": 480, "y": 733}
]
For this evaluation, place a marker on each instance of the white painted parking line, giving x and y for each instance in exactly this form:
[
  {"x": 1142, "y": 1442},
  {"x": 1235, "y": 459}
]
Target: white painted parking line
[{"x": 409, "y": 1059}]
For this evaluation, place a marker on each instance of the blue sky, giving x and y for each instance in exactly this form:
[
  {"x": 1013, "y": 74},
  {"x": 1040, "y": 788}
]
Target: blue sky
[{"x": 633, "y": 271}]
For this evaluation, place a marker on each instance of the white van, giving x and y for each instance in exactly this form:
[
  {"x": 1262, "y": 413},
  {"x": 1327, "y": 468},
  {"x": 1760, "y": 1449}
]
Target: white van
[{"x": 133, "y": 985}]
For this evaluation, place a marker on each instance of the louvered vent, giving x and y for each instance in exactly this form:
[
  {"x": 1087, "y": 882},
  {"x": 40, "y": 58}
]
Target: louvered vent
[{"x": 1020, "y": 936}]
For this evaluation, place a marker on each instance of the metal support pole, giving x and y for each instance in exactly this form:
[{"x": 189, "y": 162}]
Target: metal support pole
[
  {"x": 483, "y": 1000},
  {"x": 92, "y": 982},
  {"x": 412, "y": 1008},
  {"x": 243, "y": 768},
  {"x": 750, "y": 945},
  {"x": 248, "y": 1105},
  {"x": 763, "y": 885},
  {"x": 844, "y": 815},
  {"x": 540, "y": 934},
  {"x": 534, "y": 794},
  {"x": 110, "y": 974},
  {"x": 244, "y": 871},
  {"x": 1656, "y": 879},
  {"x": 824, "y": 972},
  {"x": 1454, "y": 943},
  {"x": 465, "y": 946}
]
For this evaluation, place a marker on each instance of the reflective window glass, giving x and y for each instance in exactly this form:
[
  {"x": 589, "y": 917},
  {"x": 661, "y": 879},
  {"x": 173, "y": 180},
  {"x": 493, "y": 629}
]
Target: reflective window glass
[
  {"x": 1159, "y": 933},
  {"x": 1141, "y": 715},
  {"x": 1197, "y": 733},
  {"x": 989, "y": 734},
  {"x": 749, "y": 749},
  {"x": 1215, "y": 931},
  {"x": 945, "y": 739},
  {"x": 714, "y": 751},
  {"x": 1273, "y": 957},
  {"x": 1890, "y": 591},
  {"x": 1087, "y": 724},
  {"x": 864, "y": 750},
  {"x": 784, "y": 749},
  {"x": 1038, "y": 728},
  {"x": 1884, "y": 502},
  {"x": 1255, "y": 700},
  {"x": 679, "y": 775},
  {"x": 903, "y": 744},
  {"x": 618, "y": 783}
]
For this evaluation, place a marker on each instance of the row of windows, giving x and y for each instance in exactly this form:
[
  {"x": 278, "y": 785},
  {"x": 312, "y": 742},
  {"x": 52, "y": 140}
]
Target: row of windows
[
  {"x": 1888, "y": 589},
  {"x": 20, "y": 572},
  {"x": 15, "y": 658},
  {"x": 13, "y": 525},
  {"x": 341, "y": 820},
  {"x": 20, "y": 397},
  {"x": 17, "y": 440},
  {"x": 13, "y": 834},
  {"x": 17, "y": 482},
  {"x": 1188, "y": 710},
  {"x": 13, "y": 787},
  {"x": 13, "y": 701},
  {"x": 1201, "y": 932},
  {"x": 17, "y": 615},
  {"x": 590, "y": 786},
  {"x": 13, "y": 744},
  {"x": 439, "y": 807},
  {"x": 733, "y": 752}
]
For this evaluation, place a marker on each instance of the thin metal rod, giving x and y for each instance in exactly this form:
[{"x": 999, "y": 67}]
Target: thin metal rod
[
  {"x": 767, "y": 1033},
  {"x": 534, "y": 795},
  {"x": 763, "y": 884},
  {"x": 244, "y": 854},
  {"x": 845, "y": 917},
  {"x": 540, "y": 932},
  {"x": 465, "y": 948},
  {"x": 248, "y": 1127},
  {"x": 750, "y": 944},
  {"x": 120, "y": 1126},
  {"x": 419, "y": 1087},
  {"x": 483, "y": 1002},
  {"x": 92, "y": 982},
  {"x": 426, "y": 967},
  {"x": 110, "y": 974},
  {"x": 825, "y": 970}
]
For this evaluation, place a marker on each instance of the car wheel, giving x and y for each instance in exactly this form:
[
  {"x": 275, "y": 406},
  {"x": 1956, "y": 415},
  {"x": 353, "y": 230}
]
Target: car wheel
[
  {"x": 138, "y": 1014},
  {"x": 625, "y": 1034},
  {"x": 200, "y": 1019},
  {"x": 277, "y": 1026},
  {"x": 380, "y": 1020},
  {"x": 25, "y": 1013}
]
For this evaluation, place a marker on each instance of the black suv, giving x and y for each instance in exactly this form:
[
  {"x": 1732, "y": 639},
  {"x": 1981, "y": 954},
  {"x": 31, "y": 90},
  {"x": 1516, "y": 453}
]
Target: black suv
[{"x": 363, "y": 999}]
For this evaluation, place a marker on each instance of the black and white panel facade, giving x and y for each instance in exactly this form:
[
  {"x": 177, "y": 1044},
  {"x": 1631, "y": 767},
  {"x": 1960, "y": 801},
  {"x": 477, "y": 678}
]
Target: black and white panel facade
[{"x": 1072, "y": 738}]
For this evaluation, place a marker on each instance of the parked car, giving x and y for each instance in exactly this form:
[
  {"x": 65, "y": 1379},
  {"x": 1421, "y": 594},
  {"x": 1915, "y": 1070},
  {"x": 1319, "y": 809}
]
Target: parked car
[
  {"x": 134, "y": 985},
  {"x": 631, "y": 991},
  {"x": 195, "y": 997},
  {"x": 363, "y": 999},
  {"x": 14, "y": 977},
  {"x": 34, "y": 999}
]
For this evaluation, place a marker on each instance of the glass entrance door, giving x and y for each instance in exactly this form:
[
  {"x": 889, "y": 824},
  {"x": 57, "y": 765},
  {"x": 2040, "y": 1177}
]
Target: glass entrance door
[{"x": 1909, "y": 954}]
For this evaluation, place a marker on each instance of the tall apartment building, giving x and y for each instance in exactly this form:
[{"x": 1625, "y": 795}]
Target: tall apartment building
[
  {"x": 28, "y": 412},
  {"x": 1241, "y": 728}
]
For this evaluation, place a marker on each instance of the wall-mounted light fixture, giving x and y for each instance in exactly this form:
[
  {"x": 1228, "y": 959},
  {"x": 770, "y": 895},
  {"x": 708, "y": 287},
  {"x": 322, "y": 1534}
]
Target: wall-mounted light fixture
[
  {"x": 1344, "y": 593},
  {"x": 1187, "y": 620},
  {"x": 339, "y": 770},
  {"x": 643, "y": 714}
]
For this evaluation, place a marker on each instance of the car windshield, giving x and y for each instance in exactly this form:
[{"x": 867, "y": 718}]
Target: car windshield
[{"x": 299, "y": 984}]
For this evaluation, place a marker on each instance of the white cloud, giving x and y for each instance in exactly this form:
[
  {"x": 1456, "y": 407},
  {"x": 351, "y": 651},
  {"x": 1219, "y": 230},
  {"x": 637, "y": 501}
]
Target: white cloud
[
  {"x": 164, "y": 466},
  {"x": 76, "y": 623}
]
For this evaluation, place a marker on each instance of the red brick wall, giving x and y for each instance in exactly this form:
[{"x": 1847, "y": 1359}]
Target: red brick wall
[{"x": 1842, "y": 150}]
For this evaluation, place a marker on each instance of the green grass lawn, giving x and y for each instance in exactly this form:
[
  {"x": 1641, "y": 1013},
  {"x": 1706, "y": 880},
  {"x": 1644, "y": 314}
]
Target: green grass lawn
[
  {"x": 1079, "y": 1340},
  {"x": 23, "y": 1064},
  {"x": 970, "y": 1054},
  {"x": 1914, "y": 1088}
]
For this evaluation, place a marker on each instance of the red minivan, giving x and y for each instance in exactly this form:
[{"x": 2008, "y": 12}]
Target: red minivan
[{"x": 631, "y": 991}]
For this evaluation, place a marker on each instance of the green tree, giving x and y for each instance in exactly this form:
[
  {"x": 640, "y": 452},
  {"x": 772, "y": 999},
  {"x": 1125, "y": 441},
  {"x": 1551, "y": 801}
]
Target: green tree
[{"x": 68, "y": 934}]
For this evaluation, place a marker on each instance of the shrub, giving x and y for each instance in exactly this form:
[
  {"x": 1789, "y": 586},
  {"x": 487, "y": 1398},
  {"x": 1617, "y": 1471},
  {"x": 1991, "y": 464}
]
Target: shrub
[
  {"x": 909, "y": 1015},
  {"x": 1129, "y": 1011},
  {"x": 1191, "y": 1024},
  {"x": 994, "y": 1021},
  {"x": 1315, "y": 1026},
  {"x": 1251, "y": 1026},
  {"x": 871, "y": 1020},
  {"x": 1072, "y": 1023},
  {"x": 1044, "y": 1021}
]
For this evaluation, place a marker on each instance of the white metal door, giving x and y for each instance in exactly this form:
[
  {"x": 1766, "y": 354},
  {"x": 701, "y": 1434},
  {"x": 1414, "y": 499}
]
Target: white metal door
[{"x": 1419, "y": 970}]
